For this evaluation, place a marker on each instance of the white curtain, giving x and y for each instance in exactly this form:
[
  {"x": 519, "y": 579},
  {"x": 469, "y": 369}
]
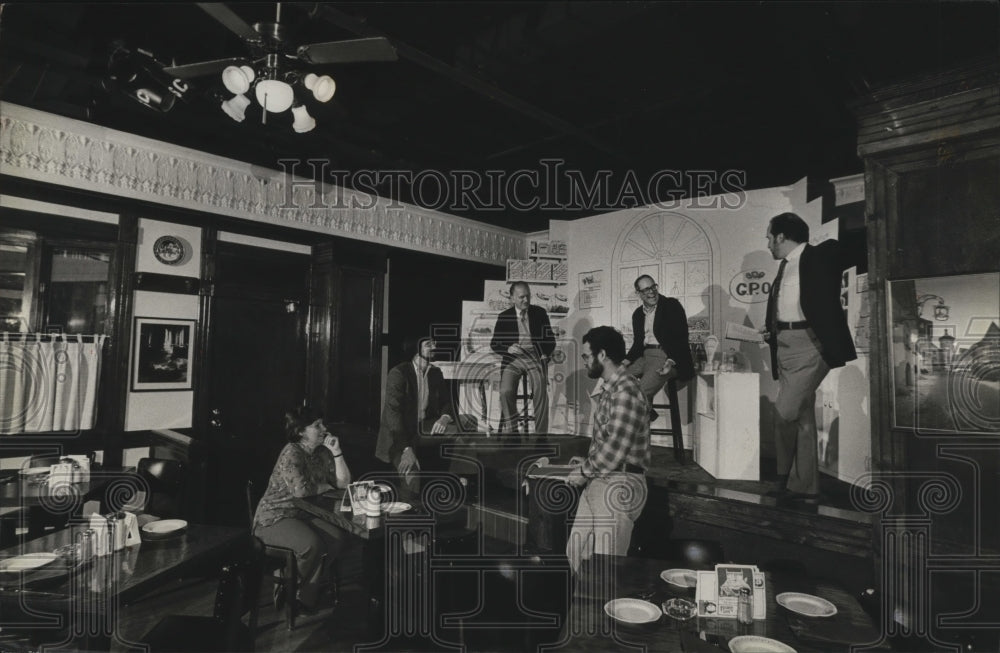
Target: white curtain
[{"x": 49, "y": 385}]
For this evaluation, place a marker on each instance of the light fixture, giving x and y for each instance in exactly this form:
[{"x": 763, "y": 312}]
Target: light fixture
[
  {"x": 236, "y": 107},
  {"x": 274, "y": 95},
  {"x": 303, "y": 121},
  {"x": 237, "y": 79},
  {"x": 323, "y": 87},
  {"x": 275, "y": 91}
]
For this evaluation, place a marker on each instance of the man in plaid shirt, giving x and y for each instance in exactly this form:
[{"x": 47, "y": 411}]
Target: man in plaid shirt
[{"x": 612, "y": 474}]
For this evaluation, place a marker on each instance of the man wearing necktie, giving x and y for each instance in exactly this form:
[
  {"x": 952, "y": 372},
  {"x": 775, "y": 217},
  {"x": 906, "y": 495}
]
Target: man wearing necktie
[
  {"x": 524, "y": 339},
  {"x": 807, "y": 331}
]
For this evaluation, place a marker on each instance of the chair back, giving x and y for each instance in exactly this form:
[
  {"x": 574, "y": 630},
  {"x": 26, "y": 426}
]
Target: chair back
[
  {"x": 167, "y": 481},
  {"x": 695, "y": 554},
  {"x": 43, "y": 460},
  {"x": 237, "y": 595},
  {"x": 253, "y": 498}
]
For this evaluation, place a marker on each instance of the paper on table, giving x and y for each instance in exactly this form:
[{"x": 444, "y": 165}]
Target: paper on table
[{"x": 742, "y": 333}]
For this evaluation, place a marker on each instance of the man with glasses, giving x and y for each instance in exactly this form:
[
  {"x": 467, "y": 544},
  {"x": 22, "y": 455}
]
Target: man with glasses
[{"x": 660, "y": 351}]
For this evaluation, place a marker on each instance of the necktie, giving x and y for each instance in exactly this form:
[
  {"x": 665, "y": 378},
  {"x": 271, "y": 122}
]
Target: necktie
[
  {"x": 524, "y": 334},
  {"x": 775, "y": 289}
]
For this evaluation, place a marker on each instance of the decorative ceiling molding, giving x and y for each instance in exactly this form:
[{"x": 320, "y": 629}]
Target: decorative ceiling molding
[{"x": 46, "y": 147}]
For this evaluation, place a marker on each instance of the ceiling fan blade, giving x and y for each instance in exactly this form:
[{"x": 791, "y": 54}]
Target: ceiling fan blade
[
  {"x": 356, "y": 50},
  {"x": 229, "y": 19},
  {"x": 203, "y": 67}
]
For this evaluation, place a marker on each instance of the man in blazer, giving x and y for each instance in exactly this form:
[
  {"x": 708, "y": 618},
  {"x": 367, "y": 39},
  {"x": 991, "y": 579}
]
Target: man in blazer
[
  {"x": 524, "y": 339},
  {"x": 807, "y": 331},
  {"x": 660, "y": 350},
  {"x": 417, "y": 403}
]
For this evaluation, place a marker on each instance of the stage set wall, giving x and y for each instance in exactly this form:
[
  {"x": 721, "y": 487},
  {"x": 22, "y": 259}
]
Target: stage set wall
[{"x": 728, "y": 234}]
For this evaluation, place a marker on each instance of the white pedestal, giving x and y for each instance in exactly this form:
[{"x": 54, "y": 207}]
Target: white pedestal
[{"x": 727, "y": 424}]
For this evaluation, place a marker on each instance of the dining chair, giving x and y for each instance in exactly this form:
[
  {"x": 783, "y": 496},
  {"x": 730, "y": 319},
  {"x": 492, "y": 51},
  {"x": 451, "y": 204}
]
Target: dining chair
[
  {"x": 694, "y": 553},
  {"x": 276, "y": 559},
  {"x": 237, "y": 595},
  {"x": 167, "y": 481}
]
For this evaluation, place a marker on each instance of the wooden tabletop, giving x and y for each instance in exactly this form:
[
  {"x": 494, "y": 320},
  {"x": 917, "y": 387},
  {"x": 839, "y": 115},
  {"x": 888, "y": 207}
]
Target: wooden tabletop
[
  {"x": 22, "y": 492},
  {"x": 122, "y": 575},
  {"x": 589, "y": 628}
]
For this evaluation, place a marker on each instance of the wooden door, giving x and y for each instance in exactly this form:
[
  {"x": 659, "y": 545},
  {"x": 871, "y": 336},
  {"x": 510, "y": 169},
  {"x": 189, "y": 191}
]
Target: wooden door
[{"x": 256, "y": 361}]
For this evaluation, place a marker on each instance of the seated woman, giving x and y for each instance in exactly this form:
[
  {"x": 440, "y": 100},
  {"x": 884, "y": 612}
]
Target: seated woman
[{"x": 310, "y": 464}]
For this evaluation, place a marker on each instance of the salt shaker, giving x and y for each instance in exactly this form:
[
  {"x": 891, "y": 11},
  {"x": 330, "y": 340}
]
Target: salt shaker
[{"x": 374, "y": 502}]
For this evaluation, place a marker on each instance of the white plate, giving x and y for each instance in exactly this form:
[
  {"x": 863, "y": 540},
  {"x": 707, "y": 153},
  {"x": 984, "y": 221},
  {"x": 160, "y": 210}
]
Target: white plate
[
  {"x": 164, "y": 526},
  {"x": 680, "y": 577},
  {"x": 807, "y": 604},
  {"x": 27, "y": 562},
  {"x": 632, "y": 611},
  {"x": 756, "y": 644},
  {"x": 396, "y": 506}
]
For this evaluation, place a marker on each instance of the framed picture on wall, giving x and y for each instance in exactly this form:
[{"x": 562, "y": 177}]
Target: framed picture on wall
[
  {"x": 945, "y": 346},
  {"x": 162, "y": 355}
]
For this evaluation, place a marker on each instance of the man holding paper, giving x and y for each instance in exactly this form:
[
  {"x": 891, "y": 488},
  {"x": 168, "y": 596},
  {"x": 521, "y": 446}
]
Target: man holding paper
[{"x": 807, "y": 331}]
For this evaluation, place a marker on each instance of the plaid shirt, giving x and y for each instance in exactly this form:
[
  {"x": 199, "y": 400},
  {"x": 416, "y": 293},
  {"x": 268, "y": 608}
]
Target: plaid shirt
[{"x": 621, "y": 428}]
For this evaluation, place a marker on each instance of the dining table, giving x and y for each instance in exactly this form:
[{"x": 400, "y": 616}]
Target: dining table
[
  {"x": 59, "y": 596},
  {"x": 591, "y": 626}
]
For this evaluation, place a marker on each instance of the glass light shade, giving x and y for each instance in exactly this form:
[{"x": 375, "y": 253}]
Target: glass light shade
[
  {"x": 236, "y": 80},
  {"x": 236, "y": 107},
  {"x": 323, "y": 87},
  {"x": 274, "y": 95},
  {"x": 303, "y": 121}
]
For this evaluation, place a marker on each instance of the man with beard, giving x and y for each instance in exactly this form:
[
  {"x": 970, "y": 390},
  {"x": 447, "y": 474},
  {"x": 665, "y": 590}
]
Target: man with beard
[
  {"x": 612, "y": 474},
  {"x": 416, "y": 403}
]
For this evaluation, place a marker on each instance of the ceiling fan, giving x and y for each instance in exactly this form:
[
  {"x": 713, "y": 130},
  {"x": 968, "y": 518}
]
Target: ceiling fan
[{"x": 274, "y": 67}]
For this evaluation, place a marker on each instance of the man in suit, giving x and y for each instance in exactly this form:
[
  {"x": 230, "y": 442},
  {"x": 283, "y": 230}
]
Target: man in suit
[
  {"x": 807, "y": 331},
  {"x": 417, "y": 403},
  {"x": 660, "y": 350},
  {"x": 524, "y": 339}
]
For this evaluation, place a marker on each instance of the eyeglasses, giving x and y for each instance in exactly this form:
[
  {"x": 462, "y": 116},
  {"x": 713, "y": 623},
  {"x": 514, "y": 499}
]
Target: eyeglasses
[{"x": 647, "y": 289}]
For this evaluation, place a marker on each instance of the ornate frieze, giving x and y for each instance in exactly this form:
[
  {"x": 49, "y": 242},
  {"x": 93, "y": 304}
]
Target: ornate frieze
[{"x": 45, "y": 147}]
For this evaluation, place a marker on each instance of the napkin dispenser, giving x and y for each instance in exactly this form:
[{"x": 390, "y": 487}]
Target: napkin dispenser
[
  {"x": 83, "y": 469},
  {"x": 103, "y": 535},
  {"x": 60, "y": 474},
  {"x": 131, "y": 528}
]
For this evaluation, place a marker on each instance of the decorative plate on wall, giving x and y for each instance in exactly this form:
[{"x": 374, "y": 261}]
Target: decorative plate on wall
[{"x": 168, "y": 250}]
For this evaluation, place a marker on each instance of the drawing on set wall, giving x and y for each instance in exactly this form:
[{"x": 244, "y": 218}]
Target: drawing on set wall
[{"x": 162, "y": 356}]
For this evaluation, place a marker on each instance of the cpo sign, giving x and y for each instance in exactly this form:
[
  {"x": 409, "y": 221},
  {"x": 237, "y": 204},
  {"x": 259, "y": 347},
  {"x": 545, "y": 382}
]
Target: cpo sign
[{"x": 750, "y": 286}]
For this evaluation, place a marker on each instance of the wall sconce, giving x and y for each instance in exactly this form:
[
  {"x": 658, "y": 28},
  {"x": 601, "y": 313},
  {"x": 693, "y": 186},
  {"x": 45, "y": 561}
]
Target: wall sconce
[{"x": 940, "y": 309}]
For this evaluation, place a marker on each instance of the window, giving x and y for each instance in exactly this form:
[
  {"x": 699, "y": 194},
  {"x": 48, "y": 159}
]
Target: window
[{"x": 52, "y": 285}]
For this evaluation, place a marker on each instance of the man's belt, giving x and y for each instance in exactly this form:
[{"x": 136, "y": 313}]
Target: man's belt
[
  {"x": 633, "y": 469},
  {"x": 785, "y": 326},
  {"x": 650, "y": 347}
]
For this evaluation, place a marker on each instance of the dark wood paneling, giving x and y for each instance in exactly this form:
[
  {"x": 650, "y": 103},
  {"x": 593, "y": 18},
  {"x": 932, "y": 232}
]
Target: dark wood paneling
[
  {"x": 932, "y": 164},
  {"x": 153, "y": 282}
]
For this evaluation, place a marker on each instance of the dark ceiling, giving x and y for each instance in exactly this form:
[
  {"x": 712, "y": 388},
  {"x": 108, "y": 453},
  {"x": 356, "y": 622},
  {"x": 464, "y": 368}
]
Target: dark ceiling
[{"x": 484, "y": 90}]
